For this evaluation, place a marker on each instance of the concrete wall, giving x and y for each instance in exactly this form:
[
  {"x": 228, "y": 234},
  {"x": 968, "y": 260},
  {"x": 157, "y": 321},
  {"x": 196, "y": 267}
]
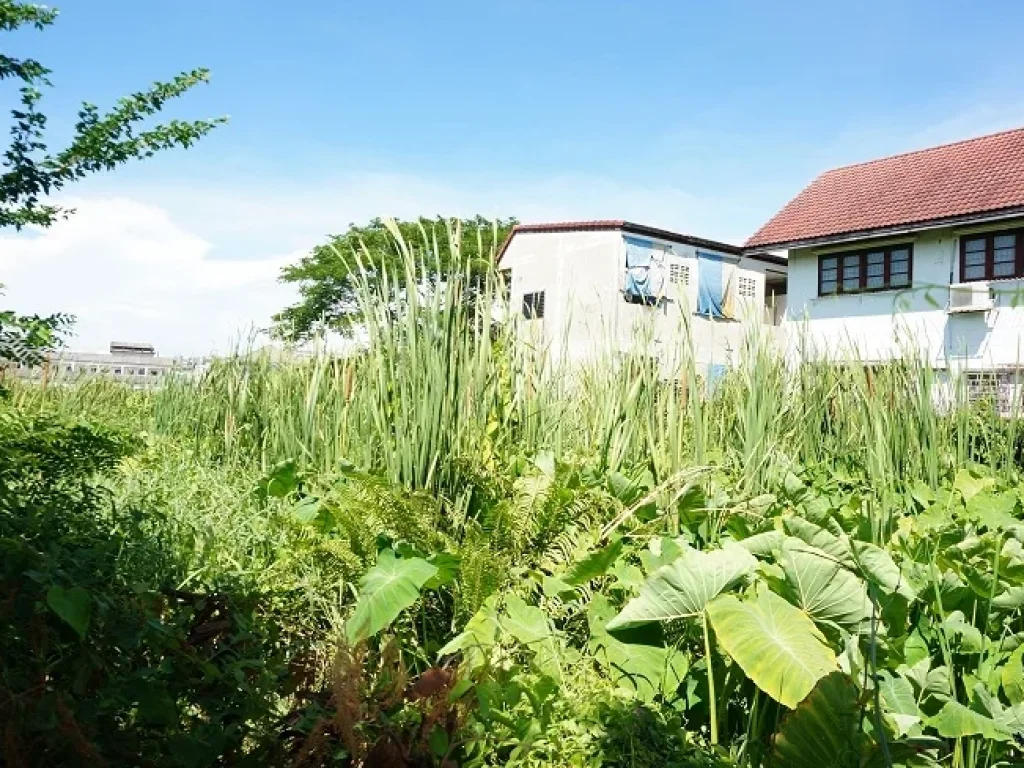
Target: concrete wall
[
  {"x": 586, "y": 315},
  {"x": 880, "y": 326}
]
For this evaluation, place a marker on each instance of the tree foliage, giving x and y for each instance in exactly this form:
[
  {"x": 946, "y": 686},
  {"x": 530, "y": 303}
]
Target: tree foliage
[{"x": 325, "y": 277}]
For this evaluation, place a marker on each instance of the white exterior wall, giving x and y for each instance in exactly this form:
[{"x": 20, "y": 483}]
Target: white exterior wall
[
  {"x": 879, "y": 326},
  {"x": 585, "y": 314}
]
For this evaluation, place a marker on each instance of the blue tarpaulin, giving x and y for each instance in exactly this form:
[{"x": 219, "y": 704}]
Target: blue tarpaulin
[
  {"x": 709, "y": 285},
  {"x": 645, "y": 276}
]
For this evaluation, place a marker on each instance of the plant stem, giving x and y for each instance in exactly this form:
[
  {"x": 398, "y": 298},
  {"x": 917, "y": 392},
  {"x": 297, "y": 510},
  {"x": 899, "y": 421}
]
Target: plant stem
[{"x": 712, "y": 703}]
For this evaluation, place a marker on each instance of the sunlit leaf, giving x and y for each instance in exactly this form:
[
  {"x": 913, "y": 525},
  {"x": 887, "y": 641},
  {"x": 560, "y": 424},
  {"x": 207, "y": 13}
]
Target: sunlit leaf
[
  {"x": 684, "y": 587},
  {"x": 774, "y": 643},
  {"x": 825, "y": 589},
  {"x": 387, "y": 589},
  {"x": 954, "y": 721}
]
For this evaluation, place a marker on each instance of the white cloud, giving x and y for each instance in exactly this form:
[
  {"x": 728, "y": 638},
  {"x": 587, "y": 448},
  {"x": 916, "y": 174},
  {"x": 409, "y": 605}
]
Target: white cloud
[
  {"x": 127, "y": 270},
  {"x": 194, "y": 269}
]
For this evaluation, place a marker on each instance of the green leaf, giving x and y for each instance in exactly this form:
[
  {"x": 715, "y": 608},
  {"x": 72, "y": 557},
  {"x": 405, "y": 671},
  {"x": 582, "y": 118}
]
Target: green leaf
[
  {"x": 829, "y": 593},
  {"x": 763, "y": 544},
  {"x": 878, "y": 567},
  {"x": 969, "y": 485},
  {"x": 994, "y": 511},
  {"x": 637, "y": 659},
  {"x": 818, "y": 538},
  {"x": 593, "y": 565},
  {"x": 530, "y": 626},
  {"x": 73, "y": 605},
  {"x": 822, "y": 732},
  {"x": 775, "y": 644},
  {"x": 438, "y": 740},
  {"x": 478, "y": 638},
  {"x": 897, "y": 695},
  {"x": 1012, "y": 677},
  {"x": 685, "y": 587},
  {"x": 954, "y": 721},
  {"x": 447, "y": 565},
  {"x": 387, "y": 589}
]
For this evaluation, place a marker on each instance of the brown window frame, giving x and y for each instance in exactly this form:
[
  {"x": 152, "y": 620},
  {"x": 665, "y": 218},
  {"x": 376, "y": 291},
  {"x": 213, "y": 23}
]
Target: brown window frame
[
  {"x": 990, "y": 256},
  {"x": 862, "y": 279}
]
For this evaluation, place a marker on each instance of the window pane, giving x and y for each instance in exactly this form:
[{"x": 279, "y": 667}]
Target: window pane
[
  {"x": 977, "y": 244},
  {"x": 876, "y": 269},
  {"x": 899, "y": 266},
  {"x": 851, "y": 270},
  {"x": 876, "y": 281},
  {"x": 899, "y": 279},
  {"x": 899, "y": 254},
  {"x": 974, "y": 259},
  {"x": 851, "y": 284},
  {"x": 1004, "y": 254},
  {"x": 876, "y": 258},
  {"x": 974, "y": 273},
  {"x": 827, "y": 286},
  {"x": 1005, "y": 241},
  {"x": 1003, "y": 269},
  {"x": 830, "y": 274},
  {"x": 830, "y": 262}
]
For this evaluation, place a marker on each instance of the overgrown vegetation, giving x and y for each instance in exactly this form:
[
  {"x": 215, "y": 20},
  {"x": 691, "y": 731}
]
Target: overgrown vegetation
[{"x": 445, "y": 550}]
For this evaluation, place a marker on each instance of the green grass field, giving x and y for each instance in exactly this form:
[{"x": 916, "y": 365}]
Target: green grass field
[{"x": 441, "y": 550}]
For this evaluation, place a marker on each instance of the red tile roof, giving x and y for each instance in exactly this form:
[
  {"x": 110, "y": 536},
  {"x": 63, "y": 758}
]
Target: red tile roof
[{"x": 954, "y": 180}]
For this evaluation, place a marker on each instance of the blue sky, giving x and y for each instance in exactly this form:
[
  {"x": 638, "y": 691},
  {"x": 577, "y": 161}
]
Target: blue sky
[{"x": 700, "y": 117}]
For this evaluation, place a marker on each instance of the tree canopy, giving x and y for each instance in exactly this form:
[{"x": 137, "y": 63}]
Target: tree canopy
[
  {"x": 325, "y": 278},
  {"x": 30, "y": 170}
]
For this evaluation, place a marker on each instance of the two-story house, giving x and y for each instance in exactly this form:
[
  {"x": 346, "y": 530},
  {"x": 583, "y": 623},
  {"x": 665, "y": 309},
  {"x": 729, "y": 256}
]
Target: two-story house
[
  {"x": 918, "y": 253},
  {"x": 586, "y": 288}
]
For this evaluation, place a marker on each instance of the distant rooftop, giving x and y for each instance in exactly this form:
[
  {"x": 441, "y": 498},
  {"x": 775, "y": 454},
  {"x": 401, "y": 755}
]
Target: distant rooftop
[
  {"x": 948, "y": 182},
  {"x": 132, "y": 348}
]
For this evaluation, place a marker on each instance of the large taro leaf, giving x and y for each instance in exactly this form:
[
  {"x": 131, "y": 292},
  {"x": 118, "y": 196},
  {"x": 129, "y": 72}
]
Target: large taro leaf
[
  {"x": 955, "y": 721},
  {"x": 684, "y": 587},
  {"x": 828, "y": 592},
  {"x": 636, "y": 659},
  {"x": 387, "y": 589},
  {"x": 823, "y": 730},
  {"x": 878, "y": 567},
  {"x": 774, "y": 643},
  {"x": 819, "y": 538}
]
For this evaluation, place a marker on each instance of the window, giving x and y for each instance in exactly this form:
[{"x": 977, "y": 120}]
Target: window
[
  {"x": 877, "y": 269},
  {"x": 992, "y": 256},
  {"x": 746, "y": 287},
  {"x": 1002, "y": 389},
  {"x": 533, "y": 305},
  {"x": 679, "y": 274},
  {"x": 117, "y": 371},
  {"x": 154, "y": 372}
]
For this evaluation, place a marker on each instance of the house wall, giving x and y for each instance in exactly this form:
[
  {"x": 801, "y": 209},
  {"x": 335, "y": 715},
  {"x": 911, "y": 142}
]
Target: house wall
[
  {"x": 586, "y": 315},
  {"x": 883, "y": 325}
]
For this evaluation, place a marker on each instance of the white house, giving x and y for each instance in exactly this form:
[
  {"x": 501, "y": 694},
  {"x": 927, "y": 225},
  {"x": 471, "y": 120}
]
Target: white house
[
  {"x": 587, "y": 287},
  {"x": 920, "y": 252}
]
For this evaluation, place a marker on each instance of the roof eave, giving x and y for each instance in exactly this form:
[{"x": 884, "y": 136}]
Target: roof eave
[{"x": 895, "y": 229}]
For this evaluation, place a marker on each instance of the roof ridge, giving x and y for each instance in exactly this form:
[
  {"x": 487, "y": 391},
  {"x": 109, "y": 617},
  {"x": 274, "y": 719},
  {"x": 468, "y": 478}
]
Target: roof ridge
[{"x": 923, "y": 150}]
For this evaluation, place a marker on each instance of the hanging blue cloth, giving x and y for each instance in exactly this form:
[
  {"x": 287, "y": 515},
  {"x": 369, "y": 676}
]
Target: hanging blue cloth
[
  {"x": 709, "y": 285},
  {"x": 644, "y": 279}
]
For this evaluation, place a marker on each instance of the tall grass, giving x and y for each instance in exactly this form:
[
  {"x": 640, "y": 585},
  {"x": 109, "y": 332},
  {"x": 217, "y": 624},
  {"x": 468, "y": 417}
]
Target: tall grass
[{"x": 441, "y": 384}]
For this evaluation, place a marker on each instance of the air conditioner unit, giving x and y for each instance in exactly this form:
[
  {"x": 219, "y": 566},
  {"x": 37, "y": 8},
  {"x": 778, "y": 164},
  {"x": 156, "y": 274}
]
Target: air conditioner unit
[{"x": 969, "y": 297}]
